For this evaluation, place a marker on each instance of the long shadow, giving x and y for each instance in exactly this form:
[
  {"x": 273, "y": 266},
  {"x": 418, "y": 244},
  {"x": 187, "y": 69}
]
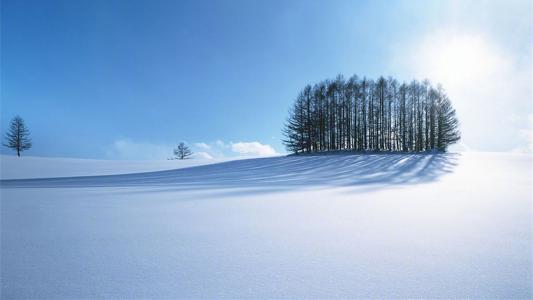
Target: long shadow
[{"x": 272, "y": 174}]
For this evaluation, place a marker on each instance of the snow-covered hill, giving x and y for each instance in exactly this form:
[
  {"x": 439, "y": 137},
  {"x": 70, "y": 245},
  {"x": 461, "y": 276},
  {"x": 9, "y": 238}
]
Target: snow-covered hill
[
  {"x": 336, "y": 226},
  {"x": 12, "y": 167}
]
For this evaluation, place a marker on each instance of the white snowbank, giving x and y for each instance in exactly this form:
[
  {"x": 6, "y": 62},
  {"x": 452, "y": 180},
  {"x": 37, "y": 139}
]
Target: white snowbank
[
  {"x": 340, "y": 226},
  {"x": 13, "y": 167}
]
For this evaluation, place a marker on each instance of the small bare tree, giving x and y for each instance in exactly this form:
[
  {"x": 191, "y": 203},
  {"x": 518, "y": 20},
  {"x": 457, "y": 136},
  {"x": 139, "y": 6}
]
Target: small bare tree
[
  {"x": 182, "y": 151},
  {"x": 18, "y": 136}
]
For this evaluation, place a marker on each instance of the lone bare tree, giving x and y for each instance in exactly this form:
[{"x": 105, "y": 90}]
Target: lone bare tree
[
  {"x": 18, "y": 136},
  {"x": 182, "y": 151}
]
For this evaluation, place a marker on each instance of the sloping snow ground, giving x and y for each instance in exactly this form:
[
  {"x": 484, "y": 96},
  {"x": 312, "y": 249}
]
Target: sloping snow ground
[
  {"x": 12, "y": 167},
  {"x": 338, "y": 226}
]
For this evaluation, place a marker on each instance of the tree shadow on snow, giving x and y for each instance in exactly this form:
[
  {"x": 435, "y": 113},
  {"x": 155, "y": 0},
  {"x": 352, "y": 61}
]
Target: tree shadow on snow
[{"x": 274, "y": 174}]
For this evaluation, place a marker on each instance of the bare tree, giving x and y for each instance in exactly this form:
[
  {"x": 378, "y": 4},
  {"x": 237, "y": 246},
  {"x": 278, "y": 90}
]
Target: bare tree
[
  {"x": 182, "y": 151},
  {"x": 448, "y": 125},
  {"x": 367, "y": 115},
  {"x": 18, "y": 136}
]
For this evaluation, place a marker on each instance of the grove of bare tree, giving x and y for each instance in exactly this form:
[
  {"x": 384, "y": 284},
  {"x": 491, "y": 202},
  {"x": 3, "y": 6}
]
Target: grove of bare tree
[{"x": 371, "y": 115}]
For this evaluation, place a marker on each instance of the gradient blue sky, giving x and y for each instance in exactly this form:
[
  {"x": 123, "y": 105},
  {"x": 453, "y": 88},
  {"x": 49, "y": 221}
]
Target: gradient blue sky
[{"x": 128, "y": 79}]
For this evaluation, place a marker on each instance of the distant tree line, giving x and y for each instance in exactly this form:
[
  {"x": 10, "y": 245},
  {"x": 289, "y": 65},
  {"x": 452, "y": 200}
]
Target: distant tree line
[{"x": 367, "y": 115}]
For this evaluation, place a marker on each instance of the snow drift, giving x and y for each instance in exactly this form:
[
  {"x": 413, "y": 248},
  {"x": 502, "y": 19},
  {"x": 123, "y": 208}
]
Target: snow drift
[
  {"x": 338, "y": 226},
  {"x": 13, "y": 167},
  {"x": 275, "y": 173}
]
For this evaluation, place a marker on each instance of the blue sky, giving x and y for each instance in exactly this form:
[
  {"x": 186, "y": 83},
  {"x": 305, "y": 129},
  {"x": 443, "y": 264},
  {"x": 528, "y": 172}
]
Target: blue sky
[{"x": 129, "y": 79}]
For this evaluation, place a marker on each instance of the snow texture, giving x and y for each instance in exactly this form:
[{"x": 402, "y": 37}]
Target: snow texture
[
  {"x": 13, "y": 167},
  {"x": 335, "y": 226}
]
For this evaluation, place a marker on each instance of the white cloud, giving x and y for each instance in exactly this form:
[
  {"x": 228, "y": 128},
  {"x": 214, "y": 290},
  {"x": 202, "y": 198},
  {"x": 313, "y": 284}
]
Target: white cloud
[
  {"x": 202, "y": 155},
  {"x": 526, "y": 134},
  {"x": 216, "y": 149},
  {"x": 221, "y": 144},
  {"x": 131, "y": 150},
  {"x": 219, "y": 149},
  {"x": 252, "y": 148},
  {"x": 203, "y": 146}
]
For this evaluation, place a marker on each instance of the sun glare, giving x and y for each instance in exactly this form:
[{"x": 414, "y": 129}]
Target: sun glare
[{"x": 457, "y": 60}]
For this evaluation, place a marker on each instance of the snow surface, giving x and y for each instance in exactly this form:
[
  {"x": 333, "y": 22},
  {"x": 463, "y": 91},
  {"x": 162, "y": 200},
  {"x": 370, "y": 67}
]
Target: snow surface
[
  {"x": 336, "y": 226},
  {"x": 13, "y": 167}
]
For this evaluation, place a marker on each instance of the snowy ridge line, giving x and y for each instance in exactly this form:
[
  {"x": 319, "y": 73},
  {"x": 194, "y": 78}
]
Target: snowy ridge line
[
  {"x": 285, "y": 171},
  {"x": 28, "y": 167}
]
